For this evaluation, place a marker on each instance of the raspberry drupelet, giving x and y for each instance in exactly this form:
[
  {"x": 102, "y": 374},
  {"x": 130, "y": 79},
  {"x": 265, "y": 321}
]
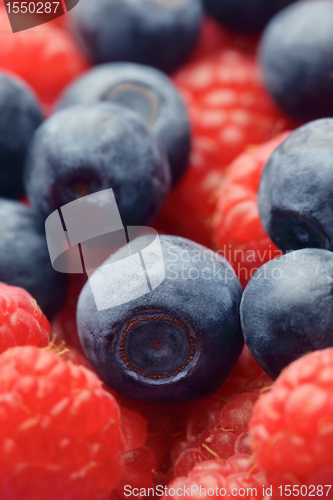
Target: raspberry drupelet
[
  {"x": 21, "y": 320},
  {"x": 59, "y": 430}
]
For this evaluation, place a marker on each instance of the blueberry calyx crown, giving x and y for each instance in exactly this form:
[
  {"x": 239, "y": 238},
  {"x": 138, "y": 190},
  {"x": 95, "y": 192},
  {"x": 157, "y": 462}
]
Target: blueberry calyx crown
[
  {"x": 136, "y": 96},
  {"x": 156, "y": 346},
  {"x": 298, "y": 232}
]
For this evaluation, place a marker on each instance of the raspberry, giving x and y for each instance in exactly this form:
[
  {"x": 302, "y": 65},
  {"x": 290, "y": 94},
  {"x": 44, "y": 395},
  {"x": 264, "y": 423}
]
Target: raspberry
[
  {"x": 246, "y": 366},
  {"x": 203, "y": 417},
  {"x": 230, "y": 110},
  {"x": 64, "y": 324},
  {"x": 139, "y": 470},
  {"x": 237, "y": 413},
  {"x": 158, "y": 445},
  {"x": 213, "y": 38},
  {"x": 234, "y": 477},
  {"x": 178, "y": 446},
  {"x": 218, "y": 443},
  {"x": 186, "y": 461},
  {"x": 243, "y": 445},
  {"x": 292, "y": 425},
  {"x": 236, "y": 223},
  {"x": 21, "y": 320},
  {"x": 59, "y": 430},
  {"x": 133, "y": 428},
  {"x": 47, "y": 59}
]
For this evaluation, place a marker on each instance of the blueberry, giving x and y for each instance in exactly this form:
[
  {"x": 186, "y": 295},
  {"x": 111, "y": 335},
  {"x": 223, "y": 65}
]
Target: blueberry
[
  {"x": 149, "y": 93},
  {"x": 176, "y": 342},
  {"x": 287, "y": 308},
  {"x": 297, "y": 59},
  {"x": 24, "y": 257},
  {"x": 296, "y": 189},
  {"x": 20, "y": 115},
  {"x": 82, "y": 150},
  {"x": 160, "y": 33},
  {"x": 246, "y": 16}
]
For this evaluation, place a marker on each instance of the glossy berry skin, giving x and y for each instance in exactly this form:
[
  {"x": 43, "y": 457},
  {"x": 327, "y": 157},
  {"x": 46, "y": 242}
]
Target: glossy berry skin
[
  {"x": 286, "y": 308},
  {"x": 158, "y": 33},
  {"x": 20, "y": 115},
  {"x": 296, "y": 56},
  {"x": 291, "y": 425},
  {"x": 246, "y": 16},
  {"x": 81, "y": 150},
  {"x": 296, "y": 189},
  {"x": 60, "y": 434},
  {"x": 21, "y": 320},
  {"x": 150, "y": 94},
  {"x": 24, "y": 257},
  {"x": 236, "y": 224},
  {"x": 176, "y": 343}
]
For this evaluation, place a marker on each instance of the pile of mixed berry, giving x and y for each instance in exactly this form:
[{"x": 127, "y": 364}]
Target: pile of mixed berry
[{"x": 187, "y": 349}]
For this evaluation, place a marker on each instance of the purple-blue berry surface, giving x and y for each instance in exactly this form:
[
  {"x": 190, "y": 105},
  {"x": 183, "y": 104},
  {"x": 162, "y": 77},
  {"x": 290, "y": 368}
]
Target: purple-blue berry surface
[
  {"x": 85, "y": 149},
  {"x": 160, "y": 33},
  {"x": 176, "y": 343},
  {"x": 146, "y": 91},
  {"x": 296, "y": 189},
  {"x": 296, "y": 54},
  {"x": 24, "y": 256},
  {"x": 245, "y": 16},
  {"x": 287, "y": 308},
  {"x": 20, "y": 115}
]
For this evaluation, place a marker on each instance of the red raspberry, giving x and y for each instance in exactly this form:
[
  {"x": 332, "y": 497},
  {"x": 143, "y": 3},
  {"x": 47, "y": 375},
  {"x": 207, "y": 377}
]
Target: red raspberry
[
  {"x": 243, "y": 445},
  {"x": 233, "y": 478},
  {"x": 186, "y": 461},
  {"x": 218, "y": 443},
  {"x": 292, "y": 426},
  {"x": 64, "y": 325},
  {"x": 246, "y": 366},
  {"x": 139, "y": 470},
  {"x": 21, "y": 320},
  {"x": 45, "y": 57},
  {"x": 179, "y": 445},
  {"x": 230, "y": 110},
  {"x": 72, "y": 355},
  {"x": 203, "y": 417},
  {"x": 213, "y": 38},
  {"x": 133, "y": 429},
  {"x": 237, "y": 227},
  {"x": 59, "y": 430},
  {"x": 237, "y": 413}
]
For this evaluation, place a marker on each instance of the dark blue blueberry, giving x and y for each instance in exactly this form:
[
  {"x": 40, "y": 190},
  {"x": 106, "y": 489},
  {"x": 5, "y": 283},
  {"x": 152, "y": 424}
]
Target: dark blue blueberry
[
  {"x": 297, "y": 59},
  {"x": 160, "y": 33},
  {"x": 82, "y": 150},
  {"x": 177, "y": 342},
  {"x": 20, "y": 115},
  {"x": 24, "y": 257},
  {"x": 149, "y": 93},
  {"x": 296, "y": 189},
  {"x": 287, "y": 308},
  {"x": 246, "y": 16}
]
